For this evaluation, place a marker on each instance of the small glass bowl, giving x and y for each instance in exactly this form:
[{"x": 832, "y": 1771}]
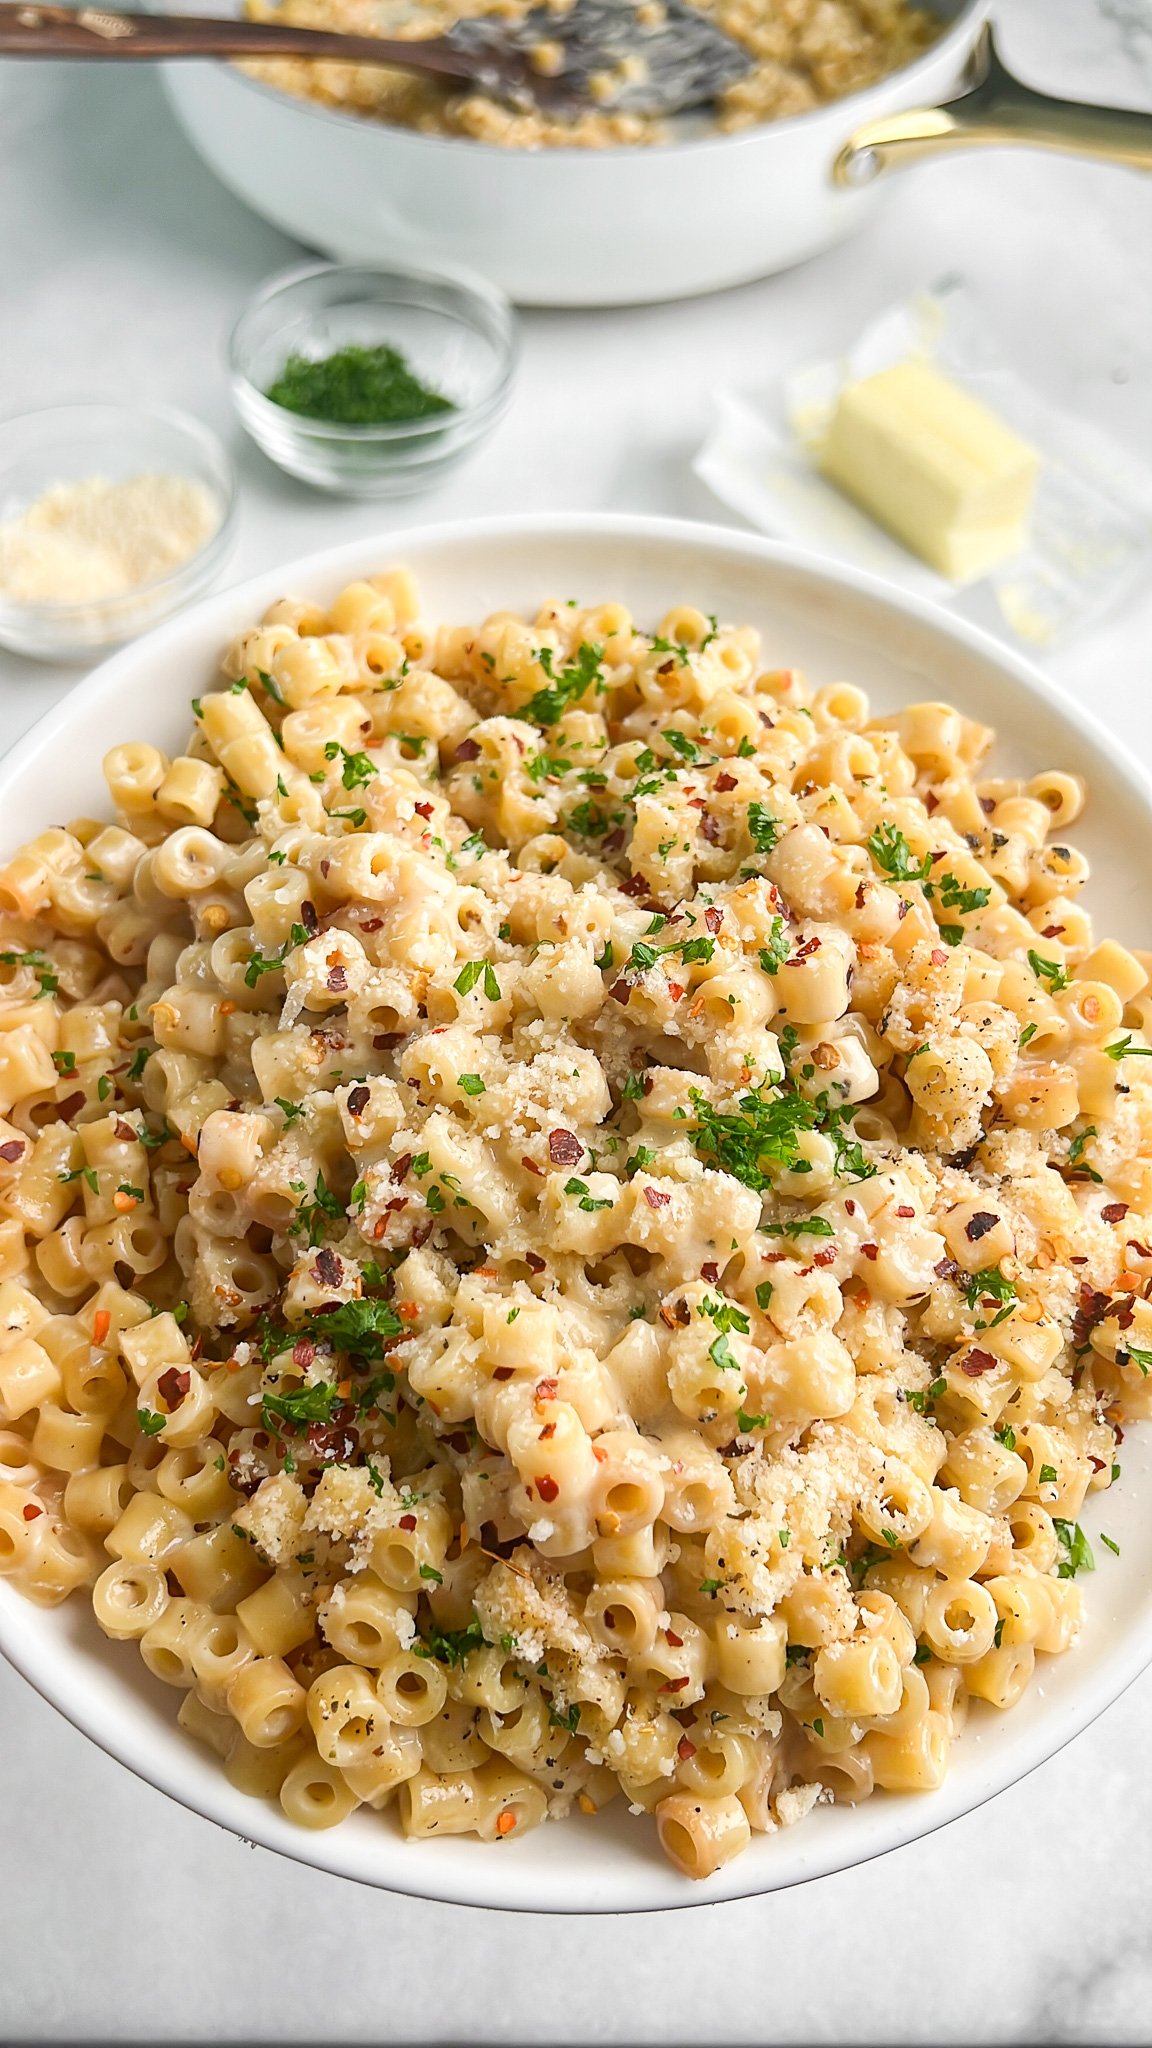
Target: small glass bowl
[
  {"x": 456, "y": 332},
  {"x": 70, "y": 443}
]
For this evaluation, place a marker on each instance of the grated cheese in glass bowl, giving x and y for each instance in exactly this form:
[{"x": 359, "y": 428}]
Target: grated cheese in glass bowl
[{"x": 110, "y": 518}]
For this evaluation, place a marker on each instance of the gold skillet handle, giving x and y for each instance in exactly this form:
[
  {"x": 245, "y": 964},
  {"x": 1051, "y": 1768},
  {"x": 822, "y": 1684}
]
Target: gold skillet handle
[{"x": 997, "y": 110}]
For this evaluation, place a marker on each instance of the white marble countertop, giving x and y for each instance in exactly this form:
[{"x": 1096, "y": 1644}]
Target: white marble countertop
[{"x": 126, "y": 1918}]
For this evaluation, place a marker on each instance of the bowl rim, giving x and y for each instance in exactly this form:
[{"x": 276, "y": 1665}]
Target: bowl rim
[
  {"x": 500, "y": 1886},
  {"x": 472, "y": 417},
  {"x": 211, "y": 445},
  {"x": 959, "y": 34}
]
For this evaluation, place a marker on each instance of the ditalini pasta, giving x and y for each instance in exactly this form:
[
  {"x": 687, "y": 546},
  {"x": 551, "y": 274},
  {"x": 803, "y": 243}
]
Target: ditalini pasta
[{"x": 575, "y": 1220}]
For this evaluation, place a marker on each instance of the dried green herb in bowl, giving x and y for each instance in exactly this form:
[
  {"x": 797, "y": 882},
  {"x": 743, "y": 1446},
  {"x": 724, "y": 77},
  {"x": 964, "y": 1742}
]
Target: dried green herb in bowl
[{"x": 363, "y": 387}]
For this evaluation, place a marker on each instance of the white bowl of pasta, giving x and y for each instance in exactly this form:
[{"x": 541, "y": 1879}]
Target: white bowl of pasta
[{"x": 492, "y": 1319}]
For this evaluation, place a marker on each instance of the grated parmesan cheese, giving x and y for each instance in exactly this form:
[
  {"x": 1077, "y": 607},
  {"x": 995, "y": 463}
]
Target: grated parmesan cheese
[{"x": 96, "y": 538}]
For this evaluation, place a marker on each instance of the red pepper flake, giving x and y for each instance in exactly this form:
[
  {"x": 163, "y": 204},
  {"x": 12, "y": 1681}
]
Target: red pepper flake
[
  {"x": 1097, "y": 1464},
  {"x": 505, "y": 1822},
  {"x": 545, "y": 1390},
  {"x": 939, "y": 957},
  {"x": 676, "y": 1641},
  {"x": 408, "y": 1522},
  {"x": 401, "y": 1167},
  {"x": 503, "y": 1372},
  {"x": 988, "y": 805},
  {"x": 724, "y": 782},
  {"x": 12, "y": 1151},
  {"x": 946, "y": 1269},
  {"x": 535, "y": 1262},
  {"x": 387, "y": 1041},
  {"x": 620, "y": 991},
  {"x": 656, "y": 1198},
  {"x": 861, "y": 892},
  {"x": 337, "y": 980},
  {"x": 531, "y": 1167},
  {"x": 710, "y": 1272},
  {"x": 468, "y": 750},
  {"x": 633, "y": 885},
  {"x": 303, "y": 1353},
  {"x": 31, "y": 1511},
  {"x": 713, "y": 918},
  {"x": 870, "y": 1251},
  {"x": 125, "y": 1273},
  {"x": 1052, "y": 931},
  {"x": 614, "y": 840},
  {"x": 547, "y": 1488},
  {"x": 172, "y": 1386},
  {"x": 825, "y": 1258},
  {"x": 675, "y": 1684},
  {"x": 905, "y": 1210},
  {"x": 850, "y": 1206},
  {"x": 328, "y": 1268},
  {"x": 982, "y": 1222},
  {"x": 101, "y": 1324},
  {"x": 931, "y": 802},
  {"x": 685, "y": 1749},
  {"x": 125, "y": 1132},
  {"x": 710, "y": 827},
  {"x": 72, "y": 1103},
  {"x": 371, "y": 924},
  {"x": 358, "y": 1100},
  {"x": 1114, "y": 1212},
  {"x": 548, "y": 1431},
  {"x": 308, "y": 916},
  {"x": 978, "y": 1362},
  {"x": 564, "y": 1148},
  {"x": 423, "y": 810}
]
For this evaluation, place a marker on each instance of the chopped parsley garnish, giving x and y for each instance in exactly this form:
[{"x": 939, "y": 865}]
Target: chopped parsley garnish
[
  {"x": 990, "y": 1285},
  {"x": 470, "y": 1083},
  {"x": 450, "y": 1645},
  {"x": 893, "y": 855},
  {"x": 548, "y": 705},
  {"x": 775, "y": 953},
  {"x": 1049, "y": 971},
  {"x": 1123, "y": 1049},
  {"x": 1075, "y": 1549},
  {"x": 292, "y": 1110},
  {"x": 150, "y": 1423},
  {"x": 357, "y": 770},
  {"x": 588, "y": 1202},
  {"x": 314, "y": 1216},
  {"x": 805, "y": 1226},
  {"x": 260, "y": 963},
  {"x": 569, "y": 1719},
  {"x": 478, "y": 970},
  {"x": 763, "y": 829},
  {"x": 725, "y": 1315}
]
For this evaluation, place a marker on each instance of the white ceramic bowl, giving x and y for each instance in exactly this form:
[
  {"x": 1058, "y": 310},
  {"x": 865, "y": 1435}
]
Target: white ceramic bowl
[{"x": 835, "y": 624}]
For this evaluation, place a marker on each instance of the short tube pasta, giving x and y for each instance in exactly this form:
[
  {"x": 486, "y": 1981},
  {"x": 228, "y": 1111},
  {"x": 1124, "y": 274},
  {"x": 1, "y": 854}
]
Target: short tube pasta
[{"x": 573, "y": 1222}]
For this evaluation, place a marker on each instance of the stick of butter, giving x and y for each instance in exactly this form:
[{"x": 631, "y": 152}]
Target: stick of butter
[{"x": 934, "y": 466}]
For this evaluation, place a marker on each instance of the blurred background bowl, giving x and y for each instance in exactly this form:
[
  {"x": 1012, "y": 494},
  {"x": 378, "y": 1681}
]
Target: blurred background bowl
[{"x": 554, "y": 227}]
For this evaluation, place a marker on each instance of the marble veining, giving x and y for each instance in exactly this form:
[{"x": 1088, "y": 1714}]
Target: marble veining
[{"x": 126, "y": 1918}]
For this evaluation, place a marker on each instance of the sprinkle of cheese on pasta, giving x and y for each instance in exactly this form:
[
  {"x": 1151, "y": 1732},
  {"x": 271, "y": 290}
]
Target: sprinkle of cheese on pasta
[{"x": 575, "y": 1221}]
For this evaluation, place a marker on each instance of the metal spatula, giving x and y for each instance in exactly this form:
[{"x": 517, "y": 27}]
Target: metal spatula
[{"x": 658, "y": 57}]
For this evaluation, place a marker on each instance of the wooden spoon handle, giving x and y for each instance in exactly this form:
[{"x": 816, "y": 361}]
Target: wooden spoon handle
[{"x": 32, "y": 30}]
